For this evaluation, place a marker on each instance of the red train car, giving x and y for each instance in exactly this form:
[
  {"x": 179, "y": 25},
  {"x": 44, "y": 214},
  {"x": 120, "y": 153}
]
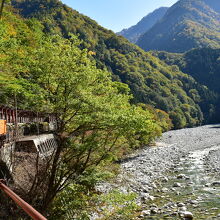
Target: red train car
[
  {"x": 24, "y": 116},
  {"x": 10, "y": 117}
]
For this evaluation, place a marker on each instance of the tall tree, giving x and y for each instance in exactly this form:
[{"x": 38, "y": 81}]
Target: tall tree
[{"x": 96, "y": 122}]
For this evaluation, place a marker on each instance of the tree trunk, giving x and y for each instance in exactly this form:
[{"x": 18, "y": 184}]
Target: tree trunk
[{"x": 1, "y": 9}]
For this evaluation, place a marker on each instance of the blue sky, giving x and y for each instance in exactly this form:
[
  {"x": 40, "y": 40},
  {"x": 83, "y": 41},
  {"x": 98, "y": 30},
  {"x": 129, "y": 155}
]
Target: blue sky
[{"x": 117, "y": 14}]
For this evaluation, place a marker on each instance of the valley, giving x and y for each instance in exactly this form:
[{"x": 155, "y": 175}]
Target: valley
[{"x": 129, "y": 121}]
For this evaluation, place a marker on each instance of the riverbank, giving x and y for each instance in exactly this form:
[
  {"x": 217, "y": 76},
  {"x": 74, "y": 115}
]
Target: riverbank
[{"x": 176, "y": 178}]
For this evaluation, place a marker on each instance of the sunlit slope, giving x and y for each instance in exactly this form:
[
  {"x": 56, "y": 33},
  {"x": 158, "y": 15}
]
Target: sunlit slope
[{"x": 187, "y": 24}]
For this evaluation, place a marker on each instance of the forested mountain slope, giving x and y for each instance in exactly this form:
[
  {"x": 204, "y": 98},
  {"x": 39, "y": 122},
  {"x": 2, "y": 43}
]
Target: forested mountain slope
[
  {"x": 151, "y": 81},
  {"x": 133, "y": 33},
  {"x": 187, "y": 24},
  {"x": 202, "y": 64}
]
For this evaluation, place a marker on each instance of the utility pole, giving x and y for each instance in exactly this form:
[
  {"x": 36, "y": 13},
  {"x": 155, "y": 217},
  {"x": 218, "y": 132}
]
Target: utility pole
[
  {"x": 16, "y": 116},
  {"x": 38, "y": 129}
]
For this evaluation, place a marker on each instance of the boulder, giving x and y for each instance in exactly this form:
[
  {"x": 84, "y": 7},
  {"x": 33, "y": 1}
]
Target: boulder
[
  {"x": 181, "y": 176},
  {"x": 180, "y": 204},
  {"x": 176, "y": 185},
  {"x": 145, "y": 212},
  {"x": 216, "y": 183},
  {"x": 187, "y": 215}
]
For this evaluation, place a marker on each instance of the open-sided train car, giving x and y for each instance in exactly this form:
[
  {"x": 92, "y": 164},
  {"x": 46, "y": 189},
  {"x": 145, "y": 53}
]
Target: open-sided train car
[{"x": 15, "y": 123}]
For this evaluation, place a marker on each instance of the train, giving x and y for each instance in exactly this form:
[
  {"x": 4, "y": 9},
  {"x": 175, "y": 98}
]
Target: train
[
  {"x": 24, "y": 116},
  {"x": 15, "y": 123}
]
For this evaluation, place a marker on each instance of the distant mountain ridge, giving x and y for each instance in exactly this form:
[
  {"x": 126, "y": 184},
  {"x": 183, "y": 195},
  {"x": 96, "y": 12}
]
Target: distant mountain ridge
[
  {"x": 133, "y": 33},
  {"x": 187, "y": 24}
]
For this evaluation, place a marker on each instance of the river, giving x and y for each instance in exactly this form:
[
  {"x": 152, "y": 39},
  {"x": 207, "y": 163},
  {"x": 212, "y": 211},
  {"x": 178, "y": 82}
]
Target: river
[{"x": 174, "y": 179}]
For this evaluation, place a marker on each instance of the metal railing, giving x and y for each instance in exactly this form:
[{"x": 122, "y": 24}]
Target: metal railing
[{"x": 20, "y": 202}]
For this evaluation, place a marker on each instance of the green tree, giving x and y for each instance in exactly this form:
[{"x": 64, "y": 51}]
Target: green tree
[{"x": 96, "y": 123}]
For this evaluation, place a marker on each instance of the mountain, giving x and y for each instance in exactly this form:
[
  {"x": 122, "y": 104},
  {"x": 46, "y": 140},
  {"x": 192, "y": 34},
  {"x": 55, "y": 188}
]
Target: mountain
[
  {"x": 202, "y": 64},
  {"x": 134, "y": 32},
  {"x": 187, "y": 24},
  {"x": 151, "y": 81}
]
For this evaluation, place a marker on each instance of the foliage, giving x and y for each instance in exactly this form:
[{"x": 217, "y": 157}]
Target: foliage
[
  {"x": 98, "y": 119},
  {"x": 94, "y": 118},
  {"x": 161, "y": 117},
  {"x": 16, "y": 39},
  {"x": 3, "y": 2},
  {"x": 119, "y": 205},
  {"x": 74, "y": 202},
  {"x": 112, "y": 205},
  {"x": 202, "y": 64},
  {"x": 80, "y": 200}
]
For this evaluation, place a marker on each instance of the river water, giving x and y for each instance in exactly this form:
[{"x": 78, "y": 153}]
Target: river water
[
  {"x": 172, "y": 177},
  {"x": 190, "y": 187}
]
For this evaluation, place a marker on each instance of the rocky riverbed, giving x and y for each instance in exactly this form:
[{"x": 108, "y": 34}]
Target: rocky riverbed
[{"x": 176, "y": 179}]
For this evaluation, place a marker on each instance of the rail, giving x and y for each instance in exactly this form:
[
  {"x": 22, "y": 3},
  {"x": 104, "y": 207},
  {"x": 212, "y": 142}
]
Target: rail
[{"x": 20, "y": 202}]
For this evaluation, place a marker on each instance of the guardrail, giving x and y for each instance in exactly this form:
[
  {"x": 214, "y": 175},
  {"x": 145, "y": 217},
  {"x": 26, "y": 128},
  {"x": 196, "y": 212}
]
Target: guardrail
[{"x": 34, "y": 214}]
